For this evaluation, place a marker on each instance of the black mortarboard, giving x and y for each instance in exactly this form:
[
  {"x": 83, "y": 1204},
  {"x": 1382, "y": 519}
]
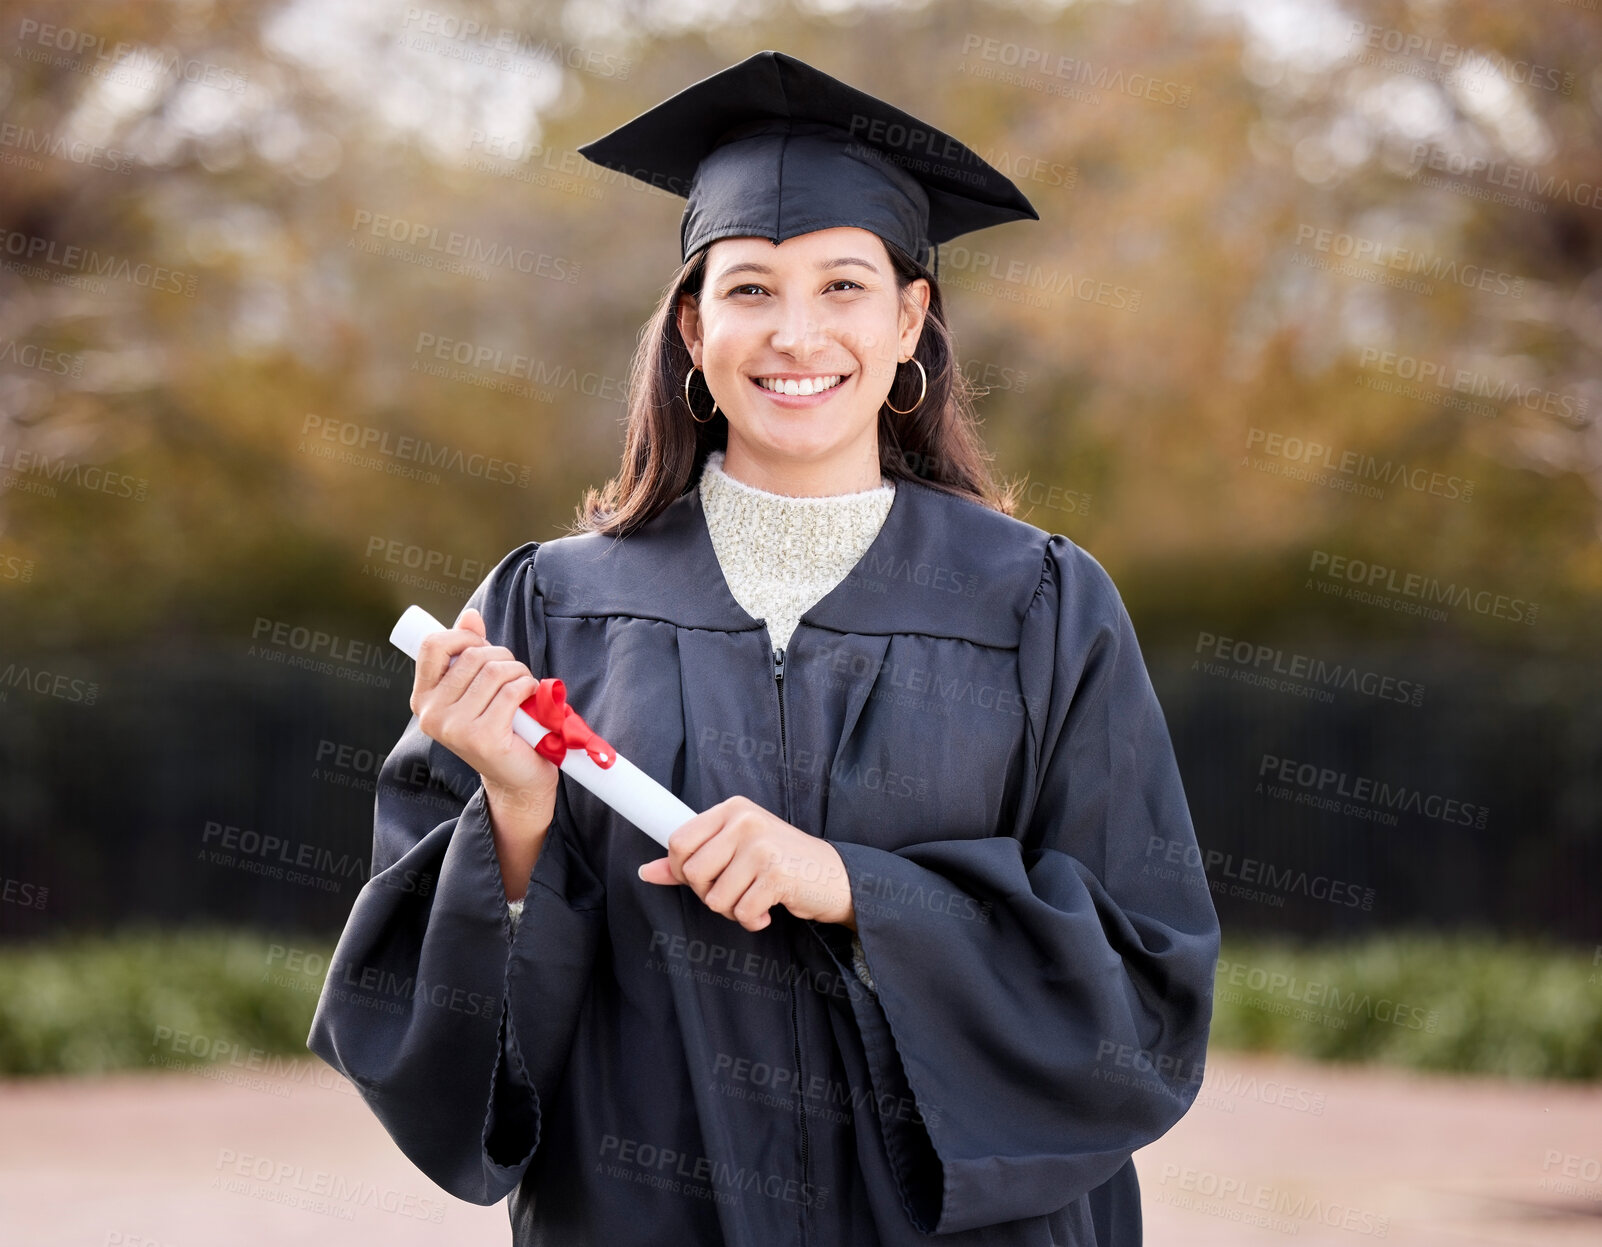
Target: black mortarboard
[{"x": 772, "y": 147}]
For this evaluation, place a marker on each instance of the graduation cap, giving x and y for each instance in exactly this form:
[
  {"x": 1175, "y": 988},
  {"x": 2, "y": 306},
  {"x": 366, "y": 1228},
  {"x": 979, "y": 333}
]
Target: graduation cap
[{"x": 771, "y": 148}]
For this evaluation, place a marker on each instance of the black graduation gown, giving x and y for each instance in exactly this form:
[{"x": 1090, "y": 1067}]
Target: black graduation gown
[{"x": 966, "y": 717}]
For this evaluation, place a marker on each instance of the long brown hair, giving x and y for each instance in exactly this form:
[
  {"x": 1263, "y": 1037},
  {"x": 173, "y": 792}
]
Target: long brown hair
[{"x": 664, "y": 448}]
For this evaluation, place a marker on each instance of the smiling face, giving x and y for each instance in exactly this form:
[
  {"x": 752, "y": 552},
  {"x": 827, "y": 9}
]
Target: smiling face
[{"x": 799, "y": 343}]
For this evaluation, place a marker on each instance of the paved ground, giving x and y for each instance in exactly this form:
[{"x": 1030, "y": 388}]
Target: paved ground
[
  {"x": 1419, "y": 1159},
  {"x": 1273, "y": 1148}
]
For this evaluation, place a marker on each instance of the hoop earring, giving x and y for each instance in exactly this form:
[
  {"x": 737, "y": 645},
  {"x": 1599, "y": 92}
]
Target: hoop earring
[
  {"x": 693, "y": 370},
  {"x": 924, "y": 390}
]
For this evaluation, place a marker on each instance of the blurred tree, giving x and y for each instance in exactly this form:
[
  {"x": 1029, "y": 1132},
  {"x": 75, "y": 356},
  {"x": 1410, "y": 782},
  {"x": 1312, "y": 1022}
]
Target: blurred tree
[{"x": 266, "y": 266}]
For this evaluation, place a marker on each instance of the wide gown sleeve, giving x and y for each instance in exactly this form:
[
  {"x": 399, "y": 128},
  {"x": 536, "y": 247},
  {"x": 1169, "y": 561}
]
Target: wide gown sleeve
[
  {"x": 417, "y": 1007},
  {"x": 1050, "y": 1014}
]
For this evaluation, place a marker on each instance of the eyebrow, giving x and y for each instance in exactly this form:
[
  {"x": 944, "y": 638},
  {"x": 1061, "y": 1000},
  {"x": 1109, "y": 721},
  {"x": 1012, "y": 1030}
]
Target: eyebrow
[{"x": 751, "y": 266}]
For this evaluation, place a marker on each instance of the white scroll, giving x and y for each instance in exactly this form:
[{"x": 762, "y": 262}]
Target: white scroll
[{"x": 622, "y": 785}]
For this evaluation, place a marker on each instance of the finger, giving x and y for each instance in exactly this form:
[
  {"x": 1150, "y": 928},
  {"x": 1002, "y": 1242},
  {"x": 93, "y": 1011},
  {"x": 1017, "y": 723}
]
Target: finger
[
  {"x": 750, "y": 908},
  {"x": 471, "y": 620},
  {"x": 691, "y": 834},
  {"x": 461, "y": 706},
  {"x": 503, "y": 705},
  {"x": 733, "y": 880},
  {"x": 705, "y": 867},
  {"x": 657, "y": 871},
  {"x": 472, "y": 659},
  {"x": 694, "y": 832},
  {"x": 494, "y": 723},
  {"x": 435, "y": 651},
  {"x": 493, "y": 675}
]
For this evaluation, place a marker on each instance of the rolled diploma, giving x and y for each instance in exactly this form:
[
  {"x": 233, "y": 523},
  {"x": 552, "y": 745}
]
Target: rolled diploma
[{"x": 623, "y": 786}]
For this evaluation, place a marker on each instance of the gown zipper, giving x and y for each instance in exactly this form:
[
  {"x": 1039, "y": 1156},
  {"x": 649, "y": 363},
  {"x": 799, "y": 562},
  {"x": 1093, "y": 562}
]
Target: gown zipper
[
  {"x": 795, "y": 1029},
  {"x": 778, "y": 676}
]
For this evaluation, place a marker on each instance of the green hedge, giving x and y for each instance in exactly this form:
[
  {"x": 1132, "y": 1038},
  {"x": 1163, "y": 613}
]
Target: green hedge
[
  {"x": 1465, "y": 1003},
  {"x": 88, "y": 1004}
]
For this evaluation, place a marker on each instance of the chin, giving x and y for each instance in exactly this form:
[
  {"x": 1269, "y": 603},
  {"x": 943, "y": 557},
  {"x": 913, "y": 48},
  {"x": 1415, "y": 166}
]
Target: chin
[{"x": 796, "y": 442}]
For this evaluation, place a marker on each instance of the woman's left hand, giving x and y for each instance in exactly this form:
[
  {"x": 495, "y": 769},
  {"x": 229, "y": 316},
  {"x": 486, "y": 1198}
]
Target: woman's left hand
[{"x": 741, "y": 860}]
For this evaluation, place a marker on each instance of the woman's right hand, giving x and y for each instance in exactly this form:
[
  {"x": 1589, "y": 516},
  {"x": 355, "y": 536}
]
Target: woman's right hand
[{"x": 467, "y": 706}]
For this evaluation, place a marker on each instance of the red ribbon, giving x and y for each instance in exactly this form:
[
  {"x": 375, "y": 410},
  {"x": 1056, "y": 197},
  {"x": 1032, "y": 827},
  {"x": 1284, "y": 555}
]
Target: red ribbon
[{"x": 548, "y": 707}]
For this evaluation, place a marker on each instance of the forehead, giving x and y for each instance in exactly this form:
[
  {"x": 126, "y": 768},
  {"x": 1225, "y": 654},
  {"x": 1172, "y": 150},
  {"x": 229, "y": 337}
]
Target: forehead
[{"x": 803, "y": 251}]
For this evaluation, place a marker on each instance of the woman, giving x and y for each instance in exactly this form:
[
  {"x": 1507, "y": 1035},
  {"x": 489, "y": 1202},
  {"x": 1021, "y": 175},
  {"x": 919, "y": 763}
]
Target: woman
[{"x": 937, "y": 955}]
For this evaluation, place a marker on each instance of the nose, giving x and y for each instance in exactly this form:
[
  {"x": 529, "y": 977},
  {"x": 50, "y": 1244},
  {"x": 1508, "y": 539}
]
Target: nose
[{"x": 799, "y": 332}]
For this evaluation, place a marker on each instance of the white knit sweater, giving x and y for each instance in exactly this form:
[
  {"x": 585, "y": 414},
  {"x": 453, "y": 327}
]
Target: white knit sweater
[{"x": 779, "y": 554}]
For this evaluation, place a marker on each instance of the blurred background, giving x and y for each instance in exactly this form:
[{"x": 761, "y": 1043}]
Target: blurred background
[{"x": 310, "y": 310}]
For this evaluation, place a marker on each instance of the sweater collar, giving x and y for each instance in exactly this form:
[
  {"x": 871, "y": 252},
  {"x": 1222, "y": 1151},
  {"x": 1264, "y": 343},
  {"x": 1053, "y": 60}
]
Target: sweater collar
[
  {"x": 785, "y": 538},
  {"x": 715, "y": 476},
  {"x": 939, "y": 565}
]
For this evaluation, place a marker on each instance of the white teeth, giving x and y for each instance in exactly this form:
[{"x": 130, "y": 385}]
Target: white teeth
[{"x": 808, "y": 385}]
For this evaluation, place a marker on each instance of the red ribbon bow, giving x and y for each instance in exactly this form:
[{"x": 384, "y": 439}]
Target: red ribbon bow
[{"x": 547, "y": 706}]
